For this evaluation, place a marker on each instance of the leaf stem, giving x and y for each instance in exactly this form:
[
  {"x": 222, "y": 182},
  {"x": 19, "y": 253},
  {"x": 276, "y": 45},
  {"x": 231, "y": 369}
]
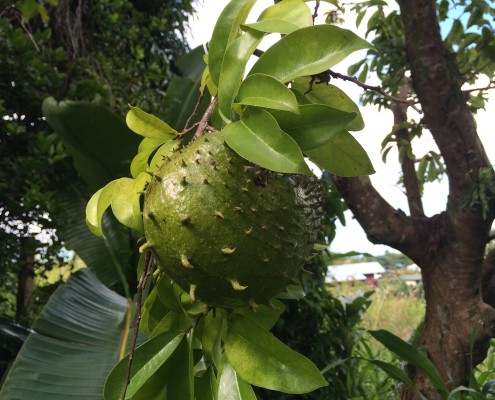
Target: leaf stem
[
  {"x": 193, "y": 114},
  {"x": 142, "y": 283}
]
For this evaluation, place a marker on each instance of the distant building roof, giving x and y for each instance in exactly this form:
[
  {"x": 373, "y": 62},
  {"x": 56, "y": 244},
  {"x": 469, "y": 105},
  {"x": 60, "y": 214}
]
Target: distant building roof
[{"x": 356, "y": 272}]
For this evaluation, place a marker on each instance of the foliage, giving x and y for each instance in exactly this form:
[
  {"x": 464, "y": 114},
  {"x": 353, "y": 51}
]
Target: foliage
[{"x": 66, "y": 50}]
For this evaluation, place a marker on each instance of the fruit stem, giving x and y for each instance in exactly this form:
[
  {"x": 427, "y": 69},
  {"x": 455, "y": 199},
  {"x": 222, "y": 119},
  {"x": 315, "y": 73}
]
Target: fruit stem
[{"x": 203, "y": 123}]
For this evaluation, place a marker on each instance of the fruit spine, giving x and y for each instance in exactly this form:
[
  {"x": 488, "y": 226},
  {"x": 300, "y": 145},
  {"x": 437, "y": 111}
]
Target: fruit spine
[{"x": 229, "y": 232}]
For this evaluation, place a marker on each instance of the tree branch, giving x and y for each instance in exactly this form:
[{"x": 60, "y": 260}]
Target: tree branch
[
  {"x": 436, "y": 82},
  {"x": 378, "y": 89},
  {"x": 382, "y": 223},
  {"x": 411, "y": 183}
]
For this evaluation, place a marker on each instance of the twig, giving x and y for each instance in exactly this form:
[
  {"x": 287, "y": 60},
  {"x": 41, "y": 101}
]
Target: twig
[
  {"x": 28, "y": 32},
  {"x": 142, "y": 283},
  {"x": 377, "y": 89},
  {"x": 203, "y": 123},
  {"x": 488, "y": 87},
  {"x": 195, "y": 111},
  {"x": 315, "y": 13}
]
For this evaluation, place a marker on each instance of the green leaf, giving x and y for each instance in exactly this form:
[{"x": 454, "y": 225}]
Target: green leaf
[
  {"x": 206, "y": 386},
  {"x": 233, "y": 67},
  {"x": 231, "y": 387},
  {"x": 126, "y": 201},
  {"x": 83, "y": 321},
  {"x": 262, "y": 360},
  {"x": 264, "y": 316},
  {"x": 180, "y": 380},
  {"x": 211, "y": 337},
  {"x": 100, "y": 143},
  {"x": 411, "y": 355},
  {"x": 97, "y": 206},
  {"x": 343, "y": 156},
  {"x": 264, "y": 91},
  {"x": 292, "y": 292},
  {"x": 157, "y": 317},
  {"x": 284, "y": 17},
  {"x": 226, "y": 30},
  {"x": 148, "y": 358},
  {"x": 258, "y": 138},
  {"x": 315, "y": 125},
  {"x": 332, "y": 96},
  {"x": 393, "y": 371},
  {"x": 111, "y": 259},
  {"x": 148, "y": 125},
  {"x": 161, "y": 154},
  {"x": 28, "y": 9},
  {"x": 168, "y": 296},
  {"x": 308, "y": 51}
]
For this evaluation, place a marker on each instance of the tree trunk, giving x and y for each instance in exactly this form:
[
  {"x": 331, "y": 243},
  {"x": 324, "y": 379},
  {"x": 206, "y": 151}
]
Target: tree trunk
[
  {"x": 25, "y": 276},
  {"x": 449, "y": 247}
]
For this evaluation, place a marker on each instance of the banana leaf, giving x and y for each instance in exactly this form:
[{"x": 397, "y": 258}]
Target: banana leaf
[{"x": 80, "y": 335}]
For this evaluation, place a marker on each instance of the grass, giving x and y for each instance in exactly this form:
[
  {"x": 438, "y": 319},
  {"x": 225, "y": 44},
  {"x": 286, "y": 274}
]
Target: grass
[
  {"x": 397, "y": 314},
  {"x": 395, "y": 306}
]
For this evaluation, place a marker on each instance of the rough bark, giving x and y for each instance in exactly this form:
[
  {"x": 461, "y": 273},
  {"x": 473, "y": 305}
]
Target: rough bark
[{"x": 448, "y": 247}]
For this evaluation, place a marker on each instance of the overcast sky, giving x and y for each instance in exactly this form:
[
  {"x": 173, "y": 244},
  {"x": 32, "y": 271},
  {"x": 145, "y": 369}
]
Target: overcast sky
[{"x": 378, "y": 124}]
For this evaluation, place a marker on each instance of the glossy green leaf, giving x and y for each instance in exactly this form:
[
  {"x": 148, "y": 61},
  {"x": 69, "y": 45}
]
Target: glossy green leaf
[
  {"x": 264, "y": 91},
  {"x": 126, "y": 201},
  {"x": 342, "y": 156},
  {"x": 180, "y": 380},
  {"x": 262, "y": 360},
  {"x": 206, "y": 386},
  {"x": 284, "y": 17},
  {"x": 148, "y": 147},
  {"x": 168, "y": 295},
  {"x": 225, "y": 32},
  {"x": 153, "y": 311},
  {"x": 150, "y": 143},
  {"x": 411, "y": 355},
  {"x": 308, "y": 51},
  {"x": 265, "y": 316},
  {"x": 169, "y": 323},
  {"x": 165, "y": 150},
  {"x": 258, "y": 138},
  {"x": 231, "y": 387},
  {"x": 148, "y": 125},
  {"x": 97, "y": 206},
  {"x": 148, "y": 358},
  {"x": 140, "y": 162},
  {"x": 315, "y": 125},
  {"x": 233, "y": 67},
  {"x": 332, "y": 96},
  {"x": 211, "y": 337}
]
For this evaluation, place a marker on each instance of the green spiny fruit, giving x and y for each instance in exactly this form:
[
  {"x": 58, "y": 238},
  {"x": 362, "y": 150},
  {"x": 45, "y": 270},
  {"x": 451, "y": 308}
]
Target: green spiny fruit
[{"x": 228, "y": 232}]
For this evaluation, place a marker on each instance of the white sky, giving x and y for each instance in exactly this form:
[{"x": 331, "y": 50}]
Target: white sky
[{"x": 378, "y": 124}]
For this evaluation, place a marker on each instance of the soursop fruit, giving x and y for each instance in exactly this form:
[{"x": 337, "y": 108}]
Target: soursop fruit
[{"x": 229, "y": 232}]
